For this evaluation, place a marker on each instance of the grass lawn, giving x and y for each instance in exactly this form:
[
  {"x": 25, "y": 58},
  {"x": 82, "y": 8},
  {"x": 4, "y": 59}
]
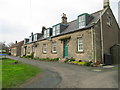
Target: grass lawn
[
  {"x": 15, "y": 74},
  {"x": 0, "y": 73}
]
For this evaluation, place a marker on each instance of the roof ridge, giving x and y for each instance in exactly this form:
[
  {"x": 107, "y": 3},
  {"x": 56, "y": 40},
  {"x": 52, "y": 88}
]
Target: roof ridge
[
  {"x": 17, "y": 44},
  {"x": 91, "y": 14},
  {"x": 72, "y": 21},
  {"x": 97, "y": 11}
]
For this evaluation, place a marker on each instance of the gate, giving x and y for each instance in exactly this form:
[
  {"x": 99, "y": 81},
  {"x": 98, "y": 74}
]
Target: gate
[{"x": 115, "y": 52}]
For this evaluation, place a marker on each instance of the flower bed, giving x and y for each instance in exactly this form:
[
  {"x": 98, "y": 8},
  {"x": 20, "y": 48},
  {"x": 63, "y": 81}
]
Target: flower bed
[{"x": 80, "y": 62}]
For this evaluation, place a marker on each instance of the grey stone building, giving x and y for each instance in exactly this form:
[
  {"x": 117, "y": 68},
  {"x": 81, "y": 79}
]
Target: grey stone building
[
  {"x": 89, "y": 37},
  {"x": 15, "y": 50}
]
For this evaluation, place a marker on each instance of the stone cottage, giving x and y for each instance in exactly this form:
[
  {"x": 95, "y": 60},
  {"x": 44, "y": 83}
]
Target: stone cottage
[
  {"x": 15, "y": 50},
  {"x": 89, "y": 37}
]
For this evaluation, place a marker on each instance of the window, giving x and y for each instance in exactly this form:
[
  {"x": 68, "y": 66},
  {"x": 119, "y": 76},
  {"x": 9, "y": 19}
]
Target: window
[
  {"x": 53, "y": 31},
  {"x": 44, "y": 48},
  {"x": 46, "y": 33},
  {"x": 35, "y": 37},
  {"x": 81, "y": 21},
  {"x": 30, "y": 38},
  {"x": 54, "y": 47},
  {"x": 56, "y": 30},
  {"x": 109, "y": 21},
  {"x": 80, "y": 44}
]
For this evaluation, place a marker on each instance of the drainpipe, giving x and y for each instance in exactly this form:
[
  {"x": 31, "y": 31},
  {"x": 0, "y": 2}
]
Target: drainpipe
[
  {"x": 101, "y": 26},
  {"x": 92, "y": 35}
]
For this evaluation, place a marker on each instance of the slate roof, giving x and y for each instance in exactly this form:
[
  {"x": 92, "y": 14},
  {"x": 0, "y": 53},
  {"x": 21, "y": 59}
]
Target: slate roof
[
  {"x": 73, "y": 25},
  {"x": 17, "y": 44}
]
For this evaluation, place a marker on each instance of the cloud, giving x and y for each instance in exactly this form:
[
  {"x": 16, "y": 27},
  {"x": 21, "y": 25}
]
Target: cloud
[{"x": 19, "y": 18}]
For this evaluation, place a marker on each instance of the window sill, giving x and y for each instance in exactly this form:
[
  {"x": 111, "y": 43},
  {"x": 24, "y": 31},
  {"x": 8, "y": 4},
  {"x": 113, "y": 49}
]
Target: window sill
[
  {"x": 54, "y": 52},
  {"x": 44, "y": 52},
  {"x": 80, "y": 51}
]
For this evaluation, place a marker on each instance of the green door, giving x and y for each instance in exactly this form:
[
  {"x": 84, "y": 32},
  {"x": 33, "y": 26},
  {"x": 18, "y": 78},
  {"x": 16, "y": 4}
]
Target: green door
[{"x": 65, "y": 49}]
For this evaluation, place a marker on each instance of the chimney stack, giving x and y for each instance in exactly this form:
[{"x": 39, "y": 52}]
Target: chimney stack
[
  {"x": 15, "y": 42},
  {"x": 64, "y": 19},
  {"x": 106, "y": 3},
  {"x": 31, "y": 33},
  {"x": 43, "y": 28},
  {"x": 32, "y": 36}
]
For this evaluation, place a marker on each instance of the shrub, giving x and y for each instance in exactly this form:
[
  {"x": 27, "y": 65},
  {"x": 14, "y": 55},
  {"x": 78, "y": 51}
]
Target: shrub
[
  {"x": 69, "y": 60},
  {"x": 81, "y": 63},
  {"x": 87, "y": 63},
  {"x": 55, "y": 59},
  {"x": 66, "y": 60},
  {"x": 80, "y": 60},
  {"x": 75, "y": 62},
  {"x": 29, "y": 56},
  {"x": 72, "y": 59},
  {"x": 47, "y": 59},
  {"x": 36, "y": 58},
  {"x": 90, "y": 61}
]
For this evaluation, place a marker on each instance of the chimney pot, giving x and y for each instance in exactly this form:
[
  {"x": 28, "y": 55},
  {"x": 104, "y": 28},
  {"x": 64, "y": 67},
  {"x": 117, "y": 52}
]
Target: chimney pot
[
  {"x": 106, "y": 3},
  {"x": 43, "y": 28},
  {"x": 64, "y": 19}
]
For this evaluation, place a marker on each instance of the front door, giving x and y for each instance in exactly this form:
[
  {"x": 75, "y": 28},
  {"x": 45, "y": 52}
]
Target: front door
[{"x": 65, "y": 52}]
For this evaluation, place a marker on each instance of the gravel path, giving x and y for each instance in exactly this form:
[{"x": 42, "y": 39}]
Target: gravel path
[{"x": 61, "y": 75}]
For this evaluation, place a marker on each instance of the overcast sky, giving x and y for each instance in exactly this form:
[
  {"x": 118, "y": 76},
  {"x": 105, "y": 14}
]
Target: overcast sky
[{"x": 18, "y": 18}]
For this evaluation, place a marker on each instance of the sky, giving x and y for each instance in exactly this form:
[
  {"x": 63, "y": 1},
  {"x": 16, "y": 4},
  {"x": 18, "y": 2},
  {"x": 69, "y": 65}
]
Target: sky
[{"x": 18, "y": 18}]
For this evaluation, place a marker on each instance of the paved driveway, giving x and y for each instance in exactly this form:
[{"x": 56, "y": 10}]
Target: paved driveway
[{"x": 61, "y": 75}]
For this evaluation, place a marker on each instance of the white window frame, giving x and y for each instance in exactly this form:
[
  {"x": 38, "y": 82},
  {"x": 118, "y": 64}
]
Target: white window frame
[
  {"x": 46, "y": 33},
  {"x": 44, "y": 48},
  {"x": 30, "y": 38},
  {"x": 35, "y": 37},
  {"x": 56, "y": 30},
  {"x": 54, "y": 45},
  {"x": 81, "y": 21},
  {"x": 80, "y": 44}
]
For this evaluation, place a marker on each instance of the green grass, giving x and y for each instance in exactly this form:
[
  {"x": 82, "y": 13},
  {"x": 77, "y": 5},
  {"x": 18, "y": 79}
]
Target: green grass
[
  {"x": 15, "y": 74},
  {"x": 0, "y": 73}
]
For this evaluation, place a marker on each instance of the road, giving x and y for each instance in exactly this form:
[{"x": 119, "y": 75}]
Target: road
[{"x": 62, "y": 75}]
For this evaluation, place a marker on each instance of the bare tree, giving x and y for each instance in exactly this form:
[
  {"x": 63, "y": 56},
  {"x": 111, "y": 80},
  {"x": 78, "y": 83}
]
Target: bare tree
[
  {"x": 3, "y": 46},
  {"x": 10, "y": 44}
]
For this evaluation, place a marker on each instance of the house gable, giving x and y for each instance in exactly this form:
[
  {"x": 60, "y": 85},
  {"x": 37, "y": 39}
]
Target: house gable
[{"x": 110, "y": 29}]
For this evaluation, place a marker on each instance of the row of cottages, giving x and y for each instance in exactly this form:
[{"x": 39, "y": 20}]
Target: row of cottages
[
  {"x": 15, "y": 50},
  {"x": 89, "y": 37}
]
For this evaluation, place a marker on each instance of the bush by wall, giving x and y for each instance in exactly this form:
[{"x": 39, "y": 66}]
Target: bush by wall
[{"x": 47, "y": 59}]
